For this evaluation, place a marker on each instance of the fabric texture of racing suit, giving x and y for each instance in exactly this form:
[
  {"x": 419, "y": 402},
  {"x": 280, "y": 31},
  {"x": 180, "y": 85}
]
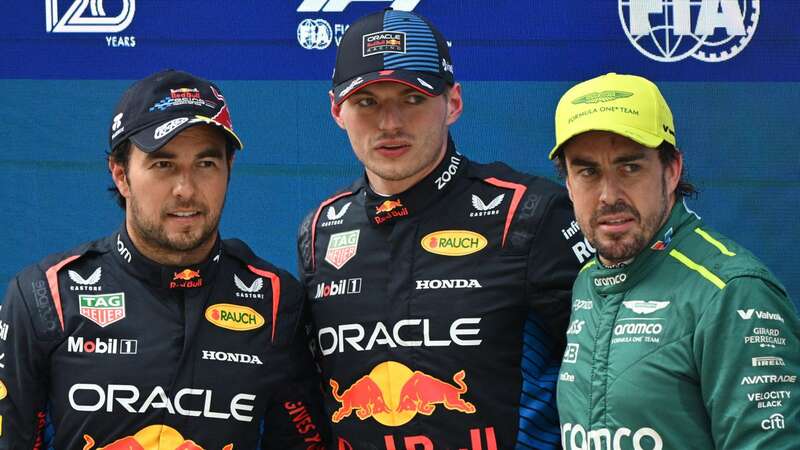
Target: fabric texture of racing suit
[
  {"x": 116, "y": 351},
  {"x": 694, "y": 345},
  {"x": 441, "y": 311}
]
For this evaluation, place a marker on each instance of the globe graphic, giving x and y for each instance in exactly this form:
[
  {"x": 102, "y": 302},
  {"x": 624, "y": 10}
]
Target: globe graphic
[{"x": 663, "y": 44}]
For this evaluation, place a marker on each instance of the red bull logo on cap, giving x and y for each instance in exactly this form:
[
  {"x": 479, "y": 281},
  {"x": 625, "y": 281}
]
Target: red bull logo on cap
[
  {"x": 154, "y": 437},
  {"x": 393, "y": 394}
]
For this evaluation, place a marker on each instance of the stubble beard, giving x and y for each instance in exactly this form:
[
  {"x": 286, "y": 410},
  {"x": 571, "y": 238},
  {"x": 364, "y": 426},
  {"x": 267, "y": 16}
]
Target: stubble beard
[
  {"x": 156, "y": 237},
  {"x": 620, "y": 248}
]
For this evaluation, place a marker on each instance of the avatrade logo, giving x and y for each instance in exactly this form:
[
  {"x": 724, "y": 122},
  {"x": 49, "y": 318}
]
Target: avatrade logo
[
  {"x": 769, "y": 379},
  {"x": 110, "y": 346},
  {"x": 706, "y": 30},
  {"x": 78, "y": 20},
  {"x": 645, "y": 307},
  {"x": 251, "y": 291},
  {"x": 340, "y": 287},
  {"x": 340, "y": 5},
  {"x": 335, "y": 217},
  {"x": 484, "y": 209},
  {"x": 85, "y": 284}
]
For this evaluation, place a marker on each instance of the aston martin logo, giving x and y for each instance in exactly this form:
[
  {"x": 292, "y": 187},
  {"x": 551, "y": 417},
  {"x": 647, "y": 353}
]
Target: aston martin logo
[{"x": 645, "y": 307}]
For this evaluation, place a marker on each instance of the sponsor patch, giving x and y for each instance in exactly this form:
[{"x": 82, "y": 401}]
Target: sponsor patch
[
  {"x": 571, "y": 353},
  {"x": 169, "y": 127},
  {"x": 85, "y": 284},
  {"x": 342, "y": 247},
  {"x": 448, "y": 284},
  {"x": 645, "y": 307},
  {"x": 3, "y": 390},
  {"x": 340, "y": 287},
  {"x": 486, "y": 209},
  {"x": 747, "y": 314},
  {"x": 241, "y": 358},
  {"x": 767, "y": 361},
  {"x": 186, "y": 278},
  {"x": 110, "y": 346},
  {"x": 335, "y": 217},
  {"x": 454, "y": 242},
  {"x": 774, "y": 422},
  {"x": 234, "y": 317},
  {"x": 567, "y": 377},
  {"x": 103, "y": 309},
  {"x": 383, "y": 42},
  {"x": 249, "y": 291},
  {"x": 601, "y": 97},
  {"x": 388, "y": 210}
]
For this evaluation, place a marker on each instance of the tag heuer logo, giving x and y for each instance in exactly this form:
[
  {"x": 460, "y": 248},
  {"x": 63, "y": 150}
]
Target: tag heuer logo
[
  {"x": 598, "y": 97},
  {"x": 342, "y": 247},
  {"x": 645, "y": 307},
  {"x": 103, "y": 309}
]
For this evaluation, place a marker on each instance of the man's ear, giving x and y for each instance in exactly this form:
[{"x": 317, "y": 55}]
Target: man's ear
[
  {"x": 336, "y": 111},
  {"x": 119, "y": 177}
]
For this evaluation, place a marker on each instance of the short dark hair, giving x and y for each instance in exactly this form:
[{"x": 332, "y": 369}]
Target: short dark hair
[
  {"x": 667, "y": 153},
  {"x": 121, "y": 154}
]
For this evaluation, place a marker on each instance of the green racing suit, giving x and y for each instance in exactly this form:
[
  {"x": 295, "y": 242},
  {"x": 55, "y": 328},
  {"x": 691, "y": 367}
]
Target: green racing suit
[{"x": 693, "y": 345}]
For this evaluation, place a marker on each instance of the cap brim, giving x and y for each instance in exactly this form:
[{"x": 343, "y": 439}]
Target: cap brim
[
  {"x": 154, "y": 137},
  {"x": 427, "y": 83},
  {"x": 646, "y": 139}
]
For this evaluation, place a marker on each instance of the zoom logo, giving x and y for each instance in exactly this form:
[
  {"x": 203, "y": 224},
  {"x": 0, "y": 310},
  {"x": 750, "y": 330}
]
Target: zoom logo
[{"x": 77, "y": 20}]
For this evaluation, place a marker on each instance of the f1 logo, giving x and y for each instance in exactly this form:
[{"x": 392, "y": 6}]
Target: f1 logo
[
  {"x": 74, "y": 21},
  {"x": 340, "y": 5}
]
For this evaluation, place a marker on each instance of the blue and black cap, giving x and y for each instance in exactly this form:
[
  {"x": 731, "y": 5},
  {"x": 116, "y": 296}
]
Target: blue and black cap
[{"x": 390, "y": 45}]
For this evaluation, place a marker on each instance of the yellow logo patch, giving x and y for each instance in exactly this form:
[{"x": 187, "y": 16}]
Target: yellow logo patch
[
  {"x": 454, "y": 242},
  {"x": 3, "y": 390},
  {"x": 234, "y": 317}
]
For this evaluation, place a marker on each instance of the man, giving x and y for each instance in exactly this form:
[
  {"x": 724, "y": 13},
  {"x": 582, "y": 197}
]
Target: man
[
  {"x": 679, "y": 337},
  {"x": 439, "y": 286},
  {"x": 161, "y": 335}
]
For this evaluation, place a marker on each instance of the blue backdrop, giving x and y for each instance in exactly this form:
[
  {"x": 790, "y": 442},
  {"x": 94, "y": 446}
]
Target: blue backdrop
[{"x": 730, "y": 73}]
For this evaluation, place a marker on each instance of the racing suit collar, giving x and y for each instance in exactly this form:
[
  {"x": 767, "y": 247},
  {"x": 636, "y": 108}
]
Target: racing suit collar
[
  {"x": 159, "y": 275},
  {"x": 383, "y": 210},
  {"x": 621, "y": 279}
]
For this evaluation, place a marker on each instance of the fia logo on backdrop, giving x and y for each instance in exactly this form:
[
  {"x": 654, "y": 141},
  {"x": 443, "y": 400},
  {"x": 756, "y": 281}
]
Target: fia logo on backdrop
[
  {"x": 93, "y": 16},
  {"x": 319, "y": 34},
  {"x": 673, "y": 30}
]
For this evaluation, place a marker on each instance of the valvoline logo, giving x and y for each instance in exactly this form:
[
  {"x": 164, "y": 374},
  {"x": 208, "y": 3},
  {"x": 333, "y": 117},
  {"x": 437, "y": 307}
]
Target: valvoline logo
[
  {"x": 454, "y": 242},
  {"x": 234, "y": 317}
]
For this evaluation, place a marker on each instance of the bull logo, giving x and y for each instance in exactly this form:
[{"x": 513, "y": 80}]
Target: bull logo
[
  {"x": 75, "y": 20},
  {"x": 392, "y": 394}
]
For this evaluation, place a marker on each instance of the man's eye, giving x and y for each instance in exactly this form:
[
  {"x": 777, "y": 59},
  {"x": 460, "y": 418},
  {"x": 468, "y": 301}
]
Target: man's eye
[
  {"x": 587, "y": 171},
  {"x": 416, "y": 99},
  {"x": 162, "y": 164},
  {"x": 365, "y": 101},
  {"x": 207, "y": 163},
  {"x": 631, "y": 168}
]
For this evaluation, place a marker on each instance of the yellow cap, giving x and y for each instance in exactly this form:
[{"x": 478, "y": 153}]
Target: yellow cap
[{"x": 627, "y": 105}]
